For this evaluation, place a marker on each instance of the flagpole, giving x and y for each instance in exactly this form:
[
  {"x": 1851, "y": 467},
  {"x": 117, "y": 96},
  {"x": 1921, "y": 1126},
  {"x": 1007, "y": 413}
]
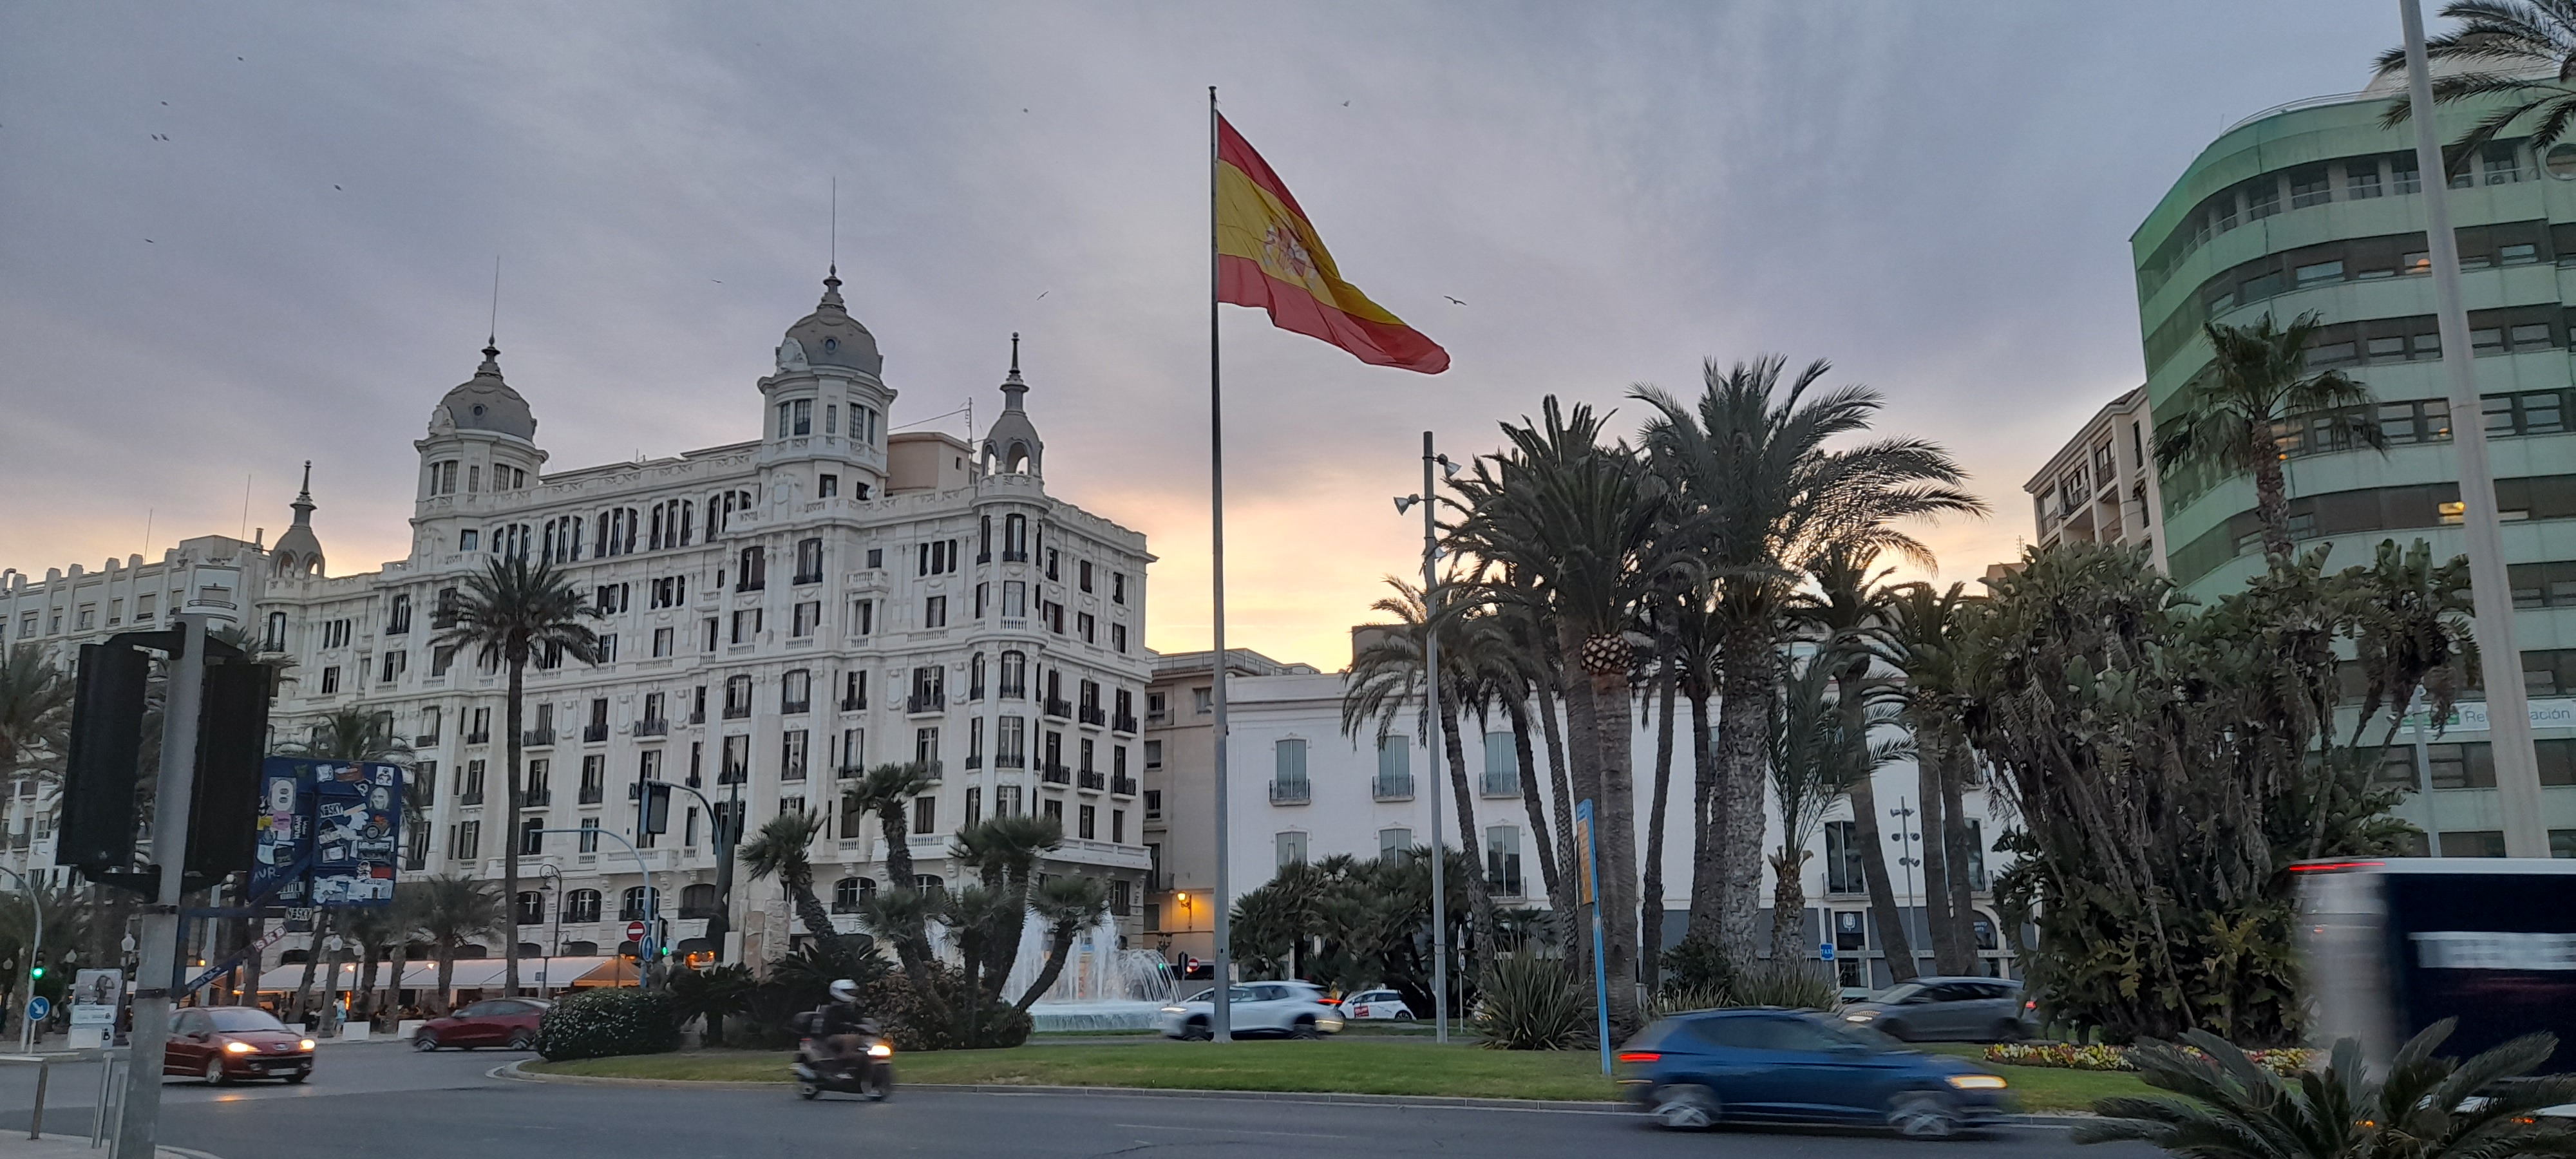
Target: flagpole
[{"x": 1223, "y": 904}]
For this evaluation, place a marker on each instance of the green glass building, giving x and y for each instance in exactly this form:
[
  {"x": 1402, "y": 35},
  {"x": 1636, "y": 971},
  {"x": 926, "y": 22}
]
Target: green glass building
[{"x": 2314, "y": 207}]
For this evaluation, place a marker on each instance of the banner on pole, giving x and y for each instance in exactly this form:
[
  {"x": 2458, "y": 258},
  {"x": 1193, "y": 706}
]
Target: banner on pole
[{"x": 1584, "y": 876}]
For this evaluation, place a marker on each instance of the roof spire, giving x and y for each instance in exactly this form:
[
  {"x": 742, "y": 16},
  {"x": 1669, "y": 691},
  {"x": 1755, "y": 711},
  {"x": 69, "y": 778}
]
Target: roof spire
[
  {"x": 304, "y": 498},
  {"x": 1015, "y": 356},
  {"x": 1013, "y": 387},
  {"x": 832, "y": 285},
  {"x": 491, "y": 360}
]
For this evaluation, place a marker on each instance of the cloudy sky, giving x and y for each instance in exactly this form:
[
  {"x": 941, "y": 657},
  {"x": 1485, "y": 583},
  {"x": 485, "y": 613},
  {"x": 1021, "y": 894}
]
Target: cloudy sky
[{"x": 235, "y": 237}]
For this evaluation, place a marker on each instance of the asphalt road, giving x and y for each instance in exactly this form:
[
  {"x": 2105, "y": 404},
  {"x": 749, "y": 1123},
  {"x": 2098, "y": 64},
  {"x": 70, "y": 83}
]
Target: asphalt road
[{"x": 383, "y": 1099}]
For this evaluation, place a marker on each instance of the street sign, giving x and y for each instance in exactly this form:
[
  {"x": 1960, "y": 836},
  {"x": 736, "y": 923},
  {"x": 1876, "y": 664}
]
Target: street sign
[
  {"x": 38, "y": 1008},
  {"x": 1826, "y": 949},
  {"x": 635, "y": 932}
]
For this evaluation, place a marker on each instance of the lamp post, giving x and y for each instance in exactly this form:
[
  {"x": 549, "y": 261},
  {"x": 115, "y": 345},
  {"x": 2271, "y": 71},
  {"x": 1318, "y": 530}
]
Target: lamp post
[
  {"x": 554, "y": 945},
  {"x": 1904, "y": 814},
  {"x": 1431, "y": 718}
]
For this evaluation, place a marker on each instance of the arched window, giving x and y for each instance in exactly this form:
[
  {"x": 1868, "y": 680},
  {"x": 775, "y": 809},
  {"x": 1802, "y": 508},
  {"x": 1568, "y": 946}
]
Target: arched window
[
  {"x": 698, "y": 901},
  {"x": 930, "y": 883},
  {"x": 275, "y": 640},
  {"x": 1015, "y": 539},
  {"x": 580, "y": 949},
  {"x": 581, "y": 905},
  {"x": 630, "y": 905},
  {"x": 848, "y": 892},
  {"x": 532, "y": 906},
  {"x": 1015, "y": 675}
]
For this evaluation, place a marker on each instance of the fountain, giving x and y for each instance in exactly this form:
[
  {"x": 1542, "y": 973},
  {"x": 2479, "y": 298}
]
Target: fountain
[{"x": 1102, "y": 987}]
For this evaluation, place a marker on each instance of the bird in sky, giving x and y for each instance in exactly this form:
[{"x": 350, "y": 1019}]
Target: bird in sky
[
  {"x": 1346, "y": 104},
  {"x": 337, "y": 187},
  {"x": 718, "y": 281},
  {"x": 1453, "y": 301},
  {"x": 147, "y": 241},
  {"x": 1044, "y": 293}
]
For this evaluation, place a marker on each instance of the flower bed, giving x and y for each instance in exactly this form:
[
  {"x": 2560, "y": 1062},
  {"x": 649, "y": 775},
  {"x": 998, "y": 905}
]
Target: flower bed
[{"x": 2068, "y": 1056}]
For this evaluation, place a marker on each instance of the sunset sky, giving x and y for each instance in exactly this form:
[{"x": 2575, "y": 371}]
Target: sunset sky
[{"x": 1937, "y": 197}]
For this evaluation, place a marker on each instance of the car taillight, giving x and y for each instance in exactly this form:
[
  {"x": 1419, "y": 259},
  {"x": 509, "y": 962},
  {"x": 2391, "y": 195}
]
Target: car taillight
[
  {"x": 1640, "y": 1056},
  {"x": 2031, "y": 1004}
]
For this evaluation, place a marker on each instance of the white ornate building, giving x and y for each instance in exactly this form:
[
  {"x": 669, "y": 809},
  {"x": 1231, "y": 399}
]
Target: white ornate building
[{"x": 779, "y": 613}]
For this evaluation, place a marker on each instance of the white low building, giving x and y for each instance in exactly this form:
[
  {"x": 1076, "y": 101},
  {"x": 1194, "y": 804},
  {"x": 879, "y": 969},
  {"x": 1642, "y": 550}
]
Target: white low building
[{"x": 779, "y": 612}]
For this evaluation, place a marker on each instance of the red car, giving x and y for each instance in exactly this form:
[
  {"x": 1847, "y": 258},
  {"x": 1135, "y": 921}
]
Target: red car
[
  {"x": 502, "y": 1022},
  {"x": 222, "y": 1044}
]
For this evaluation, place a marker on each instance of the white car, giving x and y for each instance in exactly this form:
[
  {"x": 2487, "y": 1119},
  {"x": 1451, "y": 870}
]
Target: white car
[
  {"x": 1379, "y": 1005},
  {"x": 1295, "y": 1009}
]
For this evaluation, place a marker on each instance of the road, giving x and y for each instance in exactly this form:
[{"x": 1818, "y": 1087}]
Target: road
[{"x": 383, "y": 1099}]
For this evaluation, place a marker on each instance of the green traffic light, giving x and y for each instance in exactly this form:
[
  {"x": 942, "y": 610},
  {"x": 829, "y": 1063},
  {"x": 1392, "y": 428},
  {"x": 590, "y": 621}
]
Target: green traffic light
[{"x": 36, "y": 972}]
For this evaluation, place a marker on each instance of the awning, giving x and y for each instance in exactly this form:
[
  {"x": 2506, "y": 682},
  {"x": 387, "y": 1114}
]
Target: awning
[{"x": 472, "y": 974}]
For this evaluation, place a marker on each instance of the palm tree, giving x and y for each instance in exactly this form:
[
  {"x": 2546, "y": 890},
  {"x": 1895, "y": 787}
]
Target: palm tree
[
  {"x": 1385, "y": 680},
  {"x": 2523, "y": 51},
  {"x": 1752, "y": 463},
  {"x": 352, "y": 733},
  {"x": 1849, "y": 606},
  {"x": 887, "y": 791},
  {"x": 1576, "y": 517},
  {"x": 778, "y": 849},
  {"x": 35, "y": 707},
  {"x": 1068, "y": 906},
  {"x": 1005, "y": 851},
  {"x": 511, "y": 613},
  {"x": 2420, "y": 1106},
  {"x": 378, "y": 930},
  {"x": 1815, "y": 758},
  {"x": 452, "y": 912},
  {"x": 1929, "y": 636},
  {"x": 2228, "y": 423}
]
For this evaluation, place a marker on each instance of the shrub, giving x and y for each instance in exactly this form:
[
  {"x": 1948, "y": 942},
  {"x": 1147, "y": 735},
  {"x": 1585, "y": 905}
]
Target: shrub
[
  {"x": 1789, "y": 984},
  {"x": 1699, "y": 965},
  {"x": 891, "y": 1001},
  {"x": 2070, "y": 1056},
  {"x": 1531, "y": 1003},
  {"x": 1682, "y": 1000},
  {"x": 610, "y": 1020}
]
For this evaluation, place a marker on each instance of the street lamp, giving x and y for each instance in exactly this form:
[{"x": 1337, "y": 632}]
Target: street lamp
[
  {"x": 554, "y": 946},
  {"x": 652, "y": 901},
  {"x": 1431, "y": 717},
  {"x": 1904, "y": 814}
]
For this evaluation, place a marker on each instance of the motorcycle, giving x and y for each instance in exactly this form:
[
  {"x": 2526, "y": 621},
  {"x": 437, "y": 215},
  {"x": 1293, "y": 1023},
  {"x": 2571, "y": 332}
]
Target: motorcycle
[{"x": 871, "y": 1074}]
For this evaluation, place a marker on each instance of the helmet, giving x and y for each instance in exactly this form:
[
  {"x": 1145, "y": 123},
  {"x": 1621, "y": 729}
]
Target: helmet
[{"x": 845, "y": 991}]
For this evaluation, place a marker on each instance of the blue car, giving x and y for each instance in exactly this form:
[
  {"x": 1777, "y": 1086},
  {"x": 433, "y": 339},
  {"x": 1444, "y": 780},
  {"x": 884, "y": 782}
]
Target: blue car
[{"x": 1694, "y": 1071}]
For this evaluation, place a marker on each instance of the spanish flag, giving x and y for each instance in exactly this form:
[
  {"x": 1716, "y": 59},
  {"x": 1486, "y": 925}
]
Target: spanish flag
[{"x": 1268, "y": 256}]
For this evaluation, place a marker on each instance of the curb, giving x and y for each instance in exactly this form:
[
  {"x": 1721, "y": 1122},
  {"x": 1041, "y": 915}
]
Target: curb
[{"x": 511, "y": 1071}]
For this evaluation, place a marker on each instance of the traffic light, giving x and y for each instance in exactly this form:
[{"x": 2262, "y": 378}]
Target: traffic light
[
  {"x": 657, "y": 807},
  {"x": 36, "y": 973},
  {"x": 232, "y": 736},
  {"x": 96, "y": 834}
]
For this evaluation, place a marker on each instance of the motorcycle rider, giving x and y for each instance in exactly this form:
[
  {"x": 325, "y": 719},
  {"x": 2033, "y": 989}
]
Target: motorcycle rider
[{"x": 842, "y": 1026}]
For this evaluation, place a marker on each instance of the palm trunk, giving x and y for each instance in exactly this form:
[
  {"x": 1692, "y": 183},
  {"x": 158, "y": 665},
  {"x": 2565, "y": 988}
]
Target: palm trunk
[
  {"x": 809, "y": 910},
  {"x": 1788, "y": 906},
  {"x": 1744, "y": 745},
  {"x": 1956, "y": 845},
  {"x": 1543, "y": 842},
  {"x": 327, "y": 1020},
  {"x": 446, "y": 977},
  {"x": 312, "y": 959},
  {"x": 510, "y": 838},
  {"x": 400, "y": 963},
  {"x": 1583, "y": 752},
  {"x": 1006, "y": 949},
  {"x": 1929, "y": 765},
  {"x": 1601, "y": 723},
  {"x": 1568, "y": 931},
  {"x": 914, "y": 950},
  {"x": 1650, "y": 902},
  {"x": 1707, "y": 869},
  {"x": 1480, "y": 895},
  {"x": 362, "y": 1000},
  {"x": 1058, "y": 947},
  {"x": 2272, "y": 506}
]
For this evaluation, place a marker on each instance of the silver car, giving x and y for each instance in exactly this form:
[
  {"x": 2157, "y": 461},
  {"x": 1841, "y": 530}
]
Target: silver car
[
  {"x": 1946, "y": 1009},
  {"x": 1294, "y": 1009}
]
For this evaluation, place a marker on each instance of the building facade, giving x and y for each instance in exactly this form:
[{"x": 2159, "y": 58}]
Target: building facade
[
  {"x": 2316, "y": 207},
  {"x": 776, "y": 615},
  {"x": 1303, "y": 790},
  {"x": 2101, "y": 486}
]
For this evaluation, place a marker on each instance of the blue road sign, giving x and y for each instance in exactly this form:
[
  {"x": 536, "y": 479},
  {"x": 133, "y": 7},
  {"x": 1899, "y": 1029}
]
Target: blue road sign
[
  {"x": 1826, "y": 949},
  {"x": 38, "y": 1007}
]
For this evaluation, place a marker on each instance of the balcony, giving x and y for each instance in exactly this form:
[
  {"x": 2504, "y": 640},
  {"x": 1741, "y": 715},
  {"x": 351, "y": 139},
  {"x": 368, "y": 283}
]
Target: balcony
[
  {"x": 755, "y": 584},
  {"x": 974, "y": 760},
  {"x": 424, "y": 740},
  {"x": 1123, "y": 722},
  {"x": 1009, "y": 556},
  {"x": 1058, "y": 708},
  {"x": 1092, "y": 715},
  {"x": 537, "y": 738},
  {"x": 853, "y": 703},
  {"x": 809, "y": 577},
  {"x": 479, "y": 736},
  {"x": 537, "y": 798},
  {"x": 1500, "y": 783},
  {"x": 1092, "y": 779},
  {"x": 1010, "y": 761},
  {"x": 1157, "y": 719},
  {"x": 697, "y": 717},
  {"x": 1296, "y": 791},
  {"x": 1392, "y": 787},
  {"x": 924, "y": 702},
  {"x": 473, "y": 795},
  {"x": 595, "y": 733},
  {"x": 1123, "y": 786},
  {"x": 652, "y": 727},
  {"x": 592, "y": 794},
  {"x": 737, "y": 711},
  {"x": 1054, "y": 774}
]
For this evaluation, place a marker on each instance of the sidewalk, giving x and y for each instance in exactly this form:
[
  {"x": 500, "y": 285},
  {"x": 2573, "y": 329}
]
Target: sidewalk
[{"x": 54, "y": 1146}]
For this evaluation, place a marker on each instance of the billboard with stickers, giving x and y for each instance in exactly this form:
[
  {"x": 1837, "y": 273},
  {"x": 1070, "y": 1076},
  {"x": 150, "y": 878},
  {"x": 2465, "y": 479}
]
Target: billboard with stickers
[{"x": 327, "y": 832}]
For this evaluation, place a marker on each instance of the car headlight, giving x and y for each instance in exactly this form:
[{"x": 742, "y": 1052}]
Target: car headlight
[
  {"x": 304, "y": 1044},
  {"x": 1174, "y": 1010},
  {"x": 1330, "y": 1024},
  {"x": 1860, "y": 1016},
  {"x": 881, "y": 1050},
  {"x": 1977, "y": 1082},
  {"x": 238, "y": 1048}
]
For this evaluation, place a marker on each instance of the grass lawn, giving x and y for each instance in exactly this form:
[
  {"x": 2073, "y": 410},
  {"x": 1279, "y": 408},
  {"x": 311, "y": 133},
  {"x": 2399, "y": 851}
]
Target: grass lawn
[{"x": 1368, "y": 1066}]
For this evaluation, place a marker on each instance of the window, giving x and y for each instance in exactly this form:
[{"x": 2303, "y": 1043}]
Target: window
[
  {"x": 580, "y": 906},
  {"x": 1118, "y": 826},
  {"x": 1052, "y": 810},
  {"x": 330, "y": 677},
  {"x": 1086, "y": 627},
  {"x": 467, "y": 540},
  {"x": 1503, "y": 860},
  {"x": 1051, "y": 570},
  {"x": 1288, "y": 771},
  {"x": 2320, "y": 272},
  {"x": 737, "y": 701},
  {"x": 1015, "y": 600},
  {"x": 809, "y": 561},
  {"x": 2360, "y": 179},
  {"x": 854, "y": 752},
  {"x": 1291, "y": 848},
  {"x": 1086, "y": 822},
  {"x": 795, "y": 417},
  {"x": 863, "y": 617},
  {"x": 854, "y": 691},
  {"x": 397, "y": 621},
  {"x": 1842, "y": 857},
  {"x": 737, "y": 761},
  {"x": 711, "y": 632},
  {"x": 974, "y": 805},
  {"x": 535, "y": 793},
  {"x": 746, "y": 625},
  {"x": 634, "y": 905},
  {"x": 662, "y": 642},
  {"x": 1502, "y": 766},
  {"x": 1118, "y": 638},
  {"x": 532, "y": 837},
  {"x": 934, "y": 612},
  {"x": 1202, "y": 701},
  {"x": 1083, "y": 571},
  {"x": 1394, "y": 768},
  {"x": 925, "y": 816},
  {"x": 594, "y": 778},
  {"x": 1015, "y": 539},
  {"x": 588, "y": 839},
  {"x": 1118, "y": 587},
  {"x": 1015, "y": 676},
  {"x": 752, "y": 570},
  {"x": 849, "y": 893},
  {"x": 1010, "y": 742},
  {"x": 1153, "y": 754},
  {"x": 925, "y": 746},
  {"x": 1153, "y": 804},
  {"x": 791, "y": 755},
  {"x": 937, "y": 557},
  {"x": 394, "y": 664},
  {"x": 464, "y": 840},
  {"x": 607, "y": 648},
  {"x": 1393, "y": 844},
  {"x": 795, "y": 690}
]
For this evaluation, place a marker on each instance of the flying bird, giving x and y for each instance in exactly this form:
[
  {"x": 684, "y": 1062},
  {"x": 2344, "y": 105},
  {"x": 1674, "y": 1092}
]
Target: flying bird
[
  {"x": 147, "y": 241},
  {"x": 337, "y": 187},
  {"x": 718, "y": 281},
  {"x": 1346, "y": 104},
  {"x": 1044, "y": 293},
  {"x": 1453, "y": 301}
]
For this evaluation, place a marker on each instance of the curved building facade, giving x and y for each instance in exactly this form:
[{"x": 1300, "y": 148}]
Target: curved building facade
[{"x": 2315, "y": 207}]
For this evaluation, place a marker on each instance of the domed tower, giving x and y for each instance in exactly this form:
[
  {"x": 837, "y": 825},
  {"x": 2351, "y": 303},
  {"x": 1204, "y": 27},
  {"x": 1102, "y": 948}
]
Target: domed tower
[
  {"x": 1013, "y": 447},
  {"x": 824, "y": 426},
  {"x": 299, "y": 552},
  {"x": 482, "y": 442}
]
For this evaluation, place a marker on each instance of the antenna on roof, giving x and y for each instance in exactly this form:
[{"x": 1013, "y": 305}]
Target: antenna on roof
[
  {"x": 836, "y": 224},
  {"x": 491, "y": 336}
]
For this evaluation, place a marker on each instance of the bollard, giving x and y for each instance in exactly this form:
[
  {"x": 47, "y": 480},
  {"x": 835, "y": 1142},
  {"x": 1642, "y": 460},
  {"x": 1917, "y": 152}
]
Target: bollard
[{"x": 36, "y": 1121}]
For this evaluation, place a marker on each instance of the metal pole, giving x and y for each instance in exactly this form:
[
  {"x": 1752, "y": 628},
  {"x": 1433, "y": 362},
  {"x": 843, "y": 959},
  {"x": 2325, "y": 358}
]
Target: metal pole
[
  {"x": 2424, "y": 769},
  {"x": 721, "y": 832},
  {"x": 1431, "y": 711},
  {"x": 138, "y": 1127},
  {"x": 1224, "y": 1028},
  {"x": 35, "y": 954},
  {"x": 652, "y": 907},
  {"x": 1904, "y": 814},
  {"x": 2517, "y": 768}
]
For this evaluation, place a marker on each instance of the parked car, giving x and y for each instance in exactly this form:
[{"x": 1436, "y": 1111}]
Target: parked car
[
  {"x": 1378, "y": 1005},
  {"x": 223, "y": 1044},
  {"x": 1946, "y": 1010},
  {"x": 1693, "y": 1071},
  {"x": 1295, "y": 1009},
  {"x": 510, "y": 1023}
]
